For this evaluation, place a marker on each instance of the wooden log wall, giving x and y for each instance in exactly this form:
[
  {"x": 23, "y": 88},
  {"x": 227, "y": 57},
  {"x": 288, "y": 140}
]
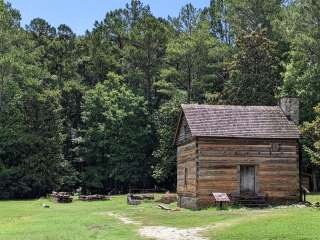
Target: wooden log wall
[
  {"x": 276, "y": 163},
  {"x": 186, "y": 159}
]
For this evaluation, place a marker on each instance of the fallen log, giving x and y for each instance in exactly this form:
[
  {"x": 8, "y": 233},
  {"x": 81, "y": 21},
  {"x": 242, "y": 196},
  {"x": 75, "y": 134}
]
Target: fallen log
[
  {"x": 167, "y": 208},
  {"x": 164, "y": 207},
  {"x": 132, "y": 201},
  {"x": 136, "y": 197},
  {"x": 61, "y": 197},
  {"x": 148, "y": 196},
  {"x": 95, "y": 197}
]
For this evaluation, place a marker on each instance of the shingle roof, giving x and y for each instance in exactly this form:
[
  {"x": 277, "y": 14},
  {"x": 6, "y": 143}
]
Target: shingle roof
[{"x": 239, "y": 121}]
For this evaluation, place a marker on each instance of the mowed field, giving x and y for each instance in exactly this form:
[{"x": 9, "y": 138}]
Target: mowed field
[{"x": 28, "y": 220}]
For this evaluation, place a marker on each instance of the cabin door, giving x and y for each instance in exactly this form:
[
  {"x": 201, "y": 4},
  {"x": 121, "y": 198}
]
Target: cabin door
[{"x": 247, "y": 179}]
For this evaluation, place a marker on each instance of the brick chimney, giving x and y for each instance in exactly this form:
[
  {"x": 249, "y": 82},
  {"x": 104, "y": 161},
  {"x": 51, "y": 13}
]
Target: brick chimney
[{"x": 290, "y": 107}]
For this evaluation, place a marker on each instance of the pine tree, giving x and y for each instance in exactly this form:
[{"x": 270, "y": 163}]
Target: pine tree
[{"x": 254, "y": 71}]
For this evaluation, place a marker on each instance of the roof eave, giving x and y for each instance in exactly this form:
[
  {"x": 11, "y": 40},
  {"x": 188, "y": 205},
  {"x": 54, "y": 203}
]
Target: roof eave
[{"x": 247, "y": 137}]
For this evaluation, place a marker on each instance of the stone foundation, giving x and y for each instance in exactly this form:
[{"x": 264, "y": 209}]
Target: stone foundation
[
  {"x": 199, "y": 203},
  {"x": 188, "y": 202}
]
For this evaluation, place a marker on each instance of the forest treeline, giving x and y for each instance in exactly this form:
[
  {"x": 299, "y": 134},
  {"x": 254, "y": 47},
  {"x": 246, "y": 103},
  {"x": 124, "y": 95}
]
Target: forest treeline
[{"x": 99, "y": 111}]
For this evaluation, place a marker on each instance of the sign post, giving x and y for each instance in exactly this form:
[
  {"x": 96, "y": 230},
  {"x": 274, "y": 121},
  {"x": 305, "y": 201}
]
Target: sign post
[{"x": 221, "y": 198}]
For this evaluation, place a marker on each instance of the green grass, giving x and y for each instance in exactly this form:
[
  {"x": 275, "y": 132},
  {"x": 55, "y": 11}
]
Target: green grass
[
  {"x": 313, "y": 197},
  {"x": 28, "y": 220},
  {"x": 280, "y": 224},
  {"x": 293, "y": 224}
]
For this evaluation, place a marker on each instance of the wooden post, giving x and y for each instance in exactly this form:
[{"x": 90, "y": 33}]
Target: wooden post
[
  {"x": 300, "y": 170},
  {"x": 314, "y": 179}
]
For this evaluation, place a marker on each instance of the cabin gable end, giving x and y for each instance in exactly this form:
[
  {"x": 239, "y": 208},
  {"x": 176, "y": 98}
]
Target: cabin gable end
[{"x": 183, "y": 134}]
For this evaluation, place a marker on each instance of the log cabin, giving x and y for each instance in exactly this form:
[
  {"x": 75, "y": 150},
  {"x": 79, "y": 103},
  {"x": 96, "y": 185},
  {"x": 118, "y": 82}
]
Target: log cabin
[{"x": 245, "y": 151}]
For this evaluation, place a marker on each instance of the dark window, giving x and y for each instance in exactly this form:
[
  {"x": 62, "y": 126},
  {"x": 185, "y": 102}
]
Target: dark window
[
  {"x": 275, "y": 147},
  {"x": 185, "y": 176}
]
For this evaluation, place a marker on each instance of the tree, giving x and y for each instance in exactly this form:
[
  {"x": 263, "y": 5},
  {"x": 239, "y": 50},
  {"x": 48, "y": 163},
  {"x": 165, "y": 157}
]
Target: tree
[
  {"x": 57, "y": 50},
  {"x": 117, "y": 27},
  {"x": 32, "y": 120},
  {"x": 188, "y": 19},
  {"x": 42, "y": 35},
  {"x": 144, "y": 56},
  {"x": 41, "y": 29},
  {"x": 136, "y": 11},
  {"x": 254, "y": 71},
  {"x": 31, "y": 160},
  {"x": 103, "y": 48},
  {"x": 311, "y": 145},
  {"x": 195, "y": 63},
  {"x": 41, "y": 142},
  {"x": 301, "y": 77},
  {"x": 166, "y": 118},
  {"x": 10, "y": 100},
  {"x": 311, "y": 131},
  {"x": 217, "y": 15},
  {"x": 115, "y": 135},
  {"x": 247, "y": 16},
  {"x": 71, "y": 102}
]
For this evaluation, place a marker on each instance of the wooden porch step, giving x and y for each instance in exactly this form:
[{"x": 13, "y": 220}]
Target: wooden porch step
[
  {"x": 256, "y": 201},
  {"x": 256, "y": 205}
]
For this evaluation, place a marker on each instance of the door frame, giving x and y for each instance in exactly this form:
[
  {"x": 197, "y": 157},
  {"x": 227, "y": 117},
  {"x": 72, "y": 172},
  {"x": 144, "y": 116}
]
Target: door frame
[{"x": 256, "y": 170}]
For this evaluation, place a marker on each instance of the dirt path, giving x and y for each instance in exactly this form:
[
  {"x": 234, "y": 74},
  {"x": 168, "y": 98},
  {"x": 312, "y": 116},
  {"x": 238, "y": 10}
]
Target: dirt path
[
  {"x": 171, "y": 233},
  {"x": 162, "y": 232},
  {"x": 123, "y": 219}
]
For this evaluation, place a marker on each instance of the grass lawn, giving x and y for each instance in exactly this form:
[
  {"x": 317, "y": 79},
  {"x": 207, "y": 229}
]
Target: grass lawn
[{"x": 28, "y": 220}]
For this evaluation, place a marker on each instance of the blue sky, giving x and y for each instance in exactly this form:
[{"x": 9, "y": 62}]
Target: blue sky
[{"x": 80, "y": 15}]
